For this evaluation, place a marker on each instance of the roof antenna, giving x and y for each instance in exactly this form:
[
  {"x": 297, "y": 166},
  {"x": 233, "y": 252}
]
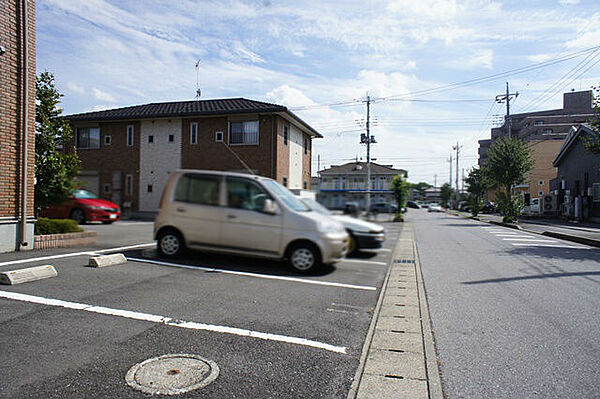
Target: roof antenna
[
  {"x": 239, "y": 159},
  {"x": 198, "y": 91}
]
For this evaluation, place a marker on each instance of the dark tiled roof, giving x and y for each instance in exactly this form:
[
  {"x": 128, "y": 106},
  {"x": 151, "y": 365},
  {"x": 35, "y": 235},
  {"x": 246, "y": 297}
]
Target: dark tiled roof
[
  {"x": 360, "y": 168},
  {"x": 574, "y": 133},
  {"x": 180, "y": 108}
]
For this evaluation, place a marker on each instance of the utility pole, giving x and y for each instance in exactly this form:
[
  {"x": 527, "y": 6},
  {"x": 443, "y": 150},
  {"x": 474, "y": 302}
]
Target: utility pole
[
  {"x": 449, "y": 160},
  {"x": 434, "y": 181},
  {"x": 368, "y": 140},
  {"x": 507, "y": 97},
  {"x": 462, "y": 181},
  {"x": 318, "y": 162},
  {"x": 457, "y": 148}
]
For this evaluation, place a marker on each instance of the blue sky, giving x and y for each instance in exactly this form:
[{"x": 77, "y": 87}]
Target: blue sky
[{"x": 106, "y": 54}]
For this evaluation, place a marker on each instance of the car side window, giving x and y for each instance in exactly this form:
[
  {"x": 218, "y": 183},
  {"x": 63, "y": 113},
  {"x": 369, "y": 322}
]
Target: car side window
[
  {"x": 245, "y": 194},
  {"x": 198, "y": 189}
]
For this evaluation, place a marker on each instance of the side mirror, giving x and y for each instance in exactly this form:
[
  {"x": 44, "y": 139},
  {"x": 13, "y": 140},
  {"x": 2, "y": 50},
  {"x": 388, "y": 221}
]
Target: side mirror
[{"x": 270, "y": 207}]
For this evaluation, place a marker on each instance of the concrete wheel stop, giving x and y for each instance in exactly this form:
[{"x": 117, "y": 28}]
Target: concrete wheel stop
[
  {"x": 19, "y": 276},
  {"x": 107, "y": 260},
  {"x": 172, "y": 374}
]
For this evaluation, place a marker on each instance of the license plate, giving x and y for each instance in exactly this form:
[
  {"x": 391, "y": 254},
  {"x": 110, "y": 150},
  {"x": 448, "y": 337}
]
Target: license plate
[{"x": 113, "y": 216}]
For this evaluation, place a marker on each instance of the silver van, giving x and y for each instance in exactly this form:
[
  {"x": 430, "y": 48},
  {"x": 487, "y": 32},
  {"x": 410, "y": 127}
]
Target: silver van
[{"x": 245, "y": 215}]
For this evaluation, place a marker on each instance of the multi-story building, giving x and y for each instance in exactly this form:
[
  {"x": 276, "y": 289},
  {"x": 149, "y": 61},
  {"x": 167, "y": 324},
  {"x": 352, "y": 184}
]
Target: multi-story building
[
  {"x": 545, "y": 132},
  {"x": 348, "y": 183},
  {"x": 128, "y": 153},
  {"x": 17, "y": 123}
]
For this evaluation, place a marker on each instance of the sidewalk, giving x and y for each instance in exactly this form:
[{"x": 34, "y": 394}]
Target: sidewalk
[
  {"x": 398, "y": 358},
  {"x": 583, "y": 233}
]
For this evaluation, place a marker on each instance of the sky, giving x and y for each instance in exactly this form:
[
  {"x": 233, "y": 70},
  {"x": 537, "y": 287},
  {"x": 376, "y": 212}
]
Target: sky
[{"x": 322, "y": 59}]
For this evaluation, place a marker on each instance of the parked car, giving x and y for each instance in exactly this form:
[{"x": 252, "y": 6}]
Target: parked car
[
  {"x": 84, "y": 206},
  {"x": 435, "y": 208},
  {"x": 383, "y": 207},
  {"x": 412, "y": 204},
  {"x": 245, "y": 215},
  {"x": 363, "y": 234},
  {"x": 488, "y": 207},
  {"x": 351, "y": 208}
]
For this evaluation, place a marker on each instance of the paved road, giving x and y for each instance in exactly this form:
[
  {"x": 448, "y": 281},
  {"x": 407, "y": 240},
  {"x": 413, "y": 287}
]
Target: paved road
[
  {"x": 514, "y": 315},
  {"x": 50, "y": 351}
]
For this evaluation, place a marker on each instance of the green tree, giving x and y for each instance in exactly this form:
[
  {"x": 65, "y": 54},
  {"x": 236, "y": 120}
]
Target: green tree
[
  {"x": 420, "y": 188},
  {"x": 400, "y": 187},
  {"x": 477, "y": 185},
  {"x": 509, "y": 163},
  {"x": 446, "y": 193},
  {"x": 592, "y": 144},
  {"x": 55, "y": 166}
]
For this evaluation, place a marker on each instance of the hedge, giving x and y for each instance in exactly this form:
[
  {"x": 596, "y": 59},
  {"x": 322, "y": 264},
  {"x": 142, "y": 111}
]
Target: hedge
[{"x": 56, "y": 226}]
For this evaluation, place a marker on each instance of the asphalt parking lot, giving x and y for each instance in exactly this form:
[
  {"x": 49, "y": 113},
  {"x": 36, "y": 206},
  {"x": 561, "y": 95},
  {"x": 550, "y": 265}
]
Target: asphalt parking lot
[{"x": 273, "y": 333}]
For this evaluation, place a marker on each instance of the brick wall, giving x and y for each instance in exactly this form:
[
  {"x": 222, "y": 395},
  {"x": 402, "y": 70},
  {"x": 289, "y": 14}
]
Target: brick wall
[
  {"x": 116, "y": 157},
  {"x": 11, "y": 107}
]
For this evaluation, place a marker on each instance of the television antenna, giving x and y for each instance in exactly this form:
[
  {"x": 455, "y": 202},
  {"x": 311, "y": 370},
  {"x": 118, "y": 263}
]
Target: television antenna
[{"x": 198, "y": 91}]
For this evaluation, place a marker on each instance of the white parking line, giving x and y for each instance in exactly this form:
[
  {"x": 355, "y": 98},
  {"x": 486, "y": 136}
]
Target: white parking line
[
  {"x": 513, "y": 235},
  {"x": 72, "y": 254},
  {"x": 371, "y": 262},
  {"x": 169, "y": 321},
  {"x": 257, "y": 275},
  {"x": 529, "y": 240},
  {"x": 526, "y": 244}
]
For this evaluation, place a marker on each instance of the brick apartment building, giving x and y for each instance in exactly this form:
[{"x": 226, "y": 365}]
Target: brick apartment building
[
  {"x": 545, "y": 132},
  {"x": 17, "y": 123},
  {"x": 128, "y": 153}
]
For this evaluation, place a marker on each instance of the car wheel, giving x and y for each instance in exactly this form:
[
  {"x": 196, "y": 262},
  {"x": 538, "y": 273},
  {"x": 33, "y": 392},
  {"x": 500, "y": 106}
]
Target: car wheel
[
  {"x": 78, "y": 215},
  {"x": 107, "y": 222},
  {"x": 170, "y": 244},
  {"x": 304, "y": 258},
  {"x": 352, "y": 245}
]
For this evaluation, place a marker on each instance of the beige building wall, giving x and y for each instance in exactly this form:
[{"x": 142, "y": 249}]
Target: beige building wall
[{"x": 544, "y": 152}]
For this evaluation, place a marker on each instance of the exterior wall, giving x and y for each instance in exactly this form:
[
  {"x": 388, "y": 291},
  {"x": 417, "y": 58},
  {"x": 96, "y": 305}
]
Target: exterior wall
[
  {"x": 157, "y": 159},
  {"x": 306, "y": 164},
  {"x": 296, "y": 141},
  {"x": 282, "y": 155},
  {"x": 335, "y": 189},
  {"x": 212, "y": 155},
  {"x": 11, "y": 117},
  {"x": 544, "y": 152},
  {"x": 116, "y": 159}
]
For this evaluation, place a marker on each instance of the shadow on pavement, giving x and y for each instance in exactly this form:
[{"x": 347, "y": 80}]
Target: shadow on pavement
[
  {"x": 535, "y": 277},
  {"x": 559, "y": 253},
  {"x": 228, "y": 262},
  {"x": 362, "y": 255}
]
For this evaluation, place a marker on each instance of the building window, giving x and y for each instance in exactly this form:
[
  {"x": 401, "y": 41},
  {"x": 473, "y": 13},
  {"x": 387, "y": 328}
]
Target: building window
[
  {"x": 151, "y": 139},
  {"x": 88, "y": 137},
  {"x": 194, "y": 133},
  {"x": 547, "y": 131},
  {"x": 219, "y": 137},
  {"x": 285, "y": 135},
  {"x": 305, "y": 185},
  {"x": 538, "y": 123},
  {"x": 149, "y": 188},
  {"x": 107, "y": 188},
  {"x": 171, "y": 138},
  {"x": 596, "y": 192},
  {"x": 243, "y": 133},
  {"x": 107, "y": 139},
  {"x": 129, "y": 135},
  {"x": 285, "y": 181},
  {"x": 305, "y": 145},
  {"x": 540, "y": 182},
  {"x": 129, "y": 185}
]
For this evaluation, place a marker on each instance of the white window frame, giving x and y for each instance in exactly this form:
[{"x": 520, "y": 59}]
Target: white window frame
[
  {"x": 130, "y": 135},
  {"x": 547, "y": 131},
  {"x": 129, "y": 184},
  {"x": 108, "y": 139},
  {"x": 244, "y": 133},
  {"x": 217, "y": 136},
  {"x": 538, "y": 123},
  {"x": 194, "y": 133}
]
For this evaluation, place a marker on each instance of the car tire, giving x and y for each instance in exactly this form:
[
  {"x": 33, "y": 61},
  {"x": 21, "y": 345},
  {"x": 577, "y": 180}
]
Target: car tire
[
  {"x": 170, "y": 244},
  {"x": 107, "y": 222},
  {"x": 78, "y": 215},
  {"x": 304, "y": 257},
  {"x": 352, "y": 245}
]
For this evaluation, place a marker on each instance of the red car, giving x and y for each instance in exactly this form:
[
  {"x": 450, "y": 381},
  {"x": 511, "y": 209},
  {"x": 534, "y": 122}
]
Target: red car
[{"x": 83, "y": 207}]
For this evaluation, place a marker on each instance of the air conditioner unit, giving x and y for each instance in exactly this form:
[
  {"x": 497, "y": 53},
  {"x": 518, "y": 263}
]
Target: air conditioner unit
[{"x": 549, "y": 204}]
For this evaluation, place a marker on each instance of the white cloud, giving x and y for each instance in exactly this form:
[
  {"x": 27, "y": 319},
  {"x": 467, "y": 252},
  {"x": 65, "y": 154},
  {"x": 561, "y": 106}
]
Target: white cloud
[
  {"x": 568, "y": 2},
  {"x": 102, "y": 95},
  {"x": 75, "y": 88},
  {"x": 537, "y": 58},
  {"x": 480, "y": 59}
]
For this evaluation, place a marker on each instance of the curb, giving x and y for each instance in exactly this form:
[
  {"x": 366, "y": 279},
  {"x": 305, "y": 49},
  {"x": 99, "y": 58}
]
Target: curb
[{"x": 568, "y": 237}]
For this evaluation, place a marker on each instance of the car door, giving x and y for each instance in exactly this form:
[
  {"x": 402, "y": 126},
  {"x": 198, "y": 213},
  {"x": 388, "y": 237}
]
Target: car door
[
  {"x": 197, "y": 208},
  {"x": 245, "y": 225}
]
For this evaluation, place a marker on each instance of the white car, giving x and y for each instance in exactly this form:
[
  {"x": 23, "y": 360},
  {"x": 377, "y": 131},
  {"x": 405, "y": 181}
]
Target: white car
[
  {"x": 363, "y": 235},
  {"x": 435, "y": 208},
  {"x": 246, "y": 215}
]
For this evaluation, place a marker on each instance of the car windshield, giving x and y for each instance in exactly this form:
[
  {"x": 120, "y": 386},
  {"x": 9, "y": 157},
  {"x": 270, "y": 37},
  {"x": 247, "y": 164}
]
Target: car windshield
[
  {"x": 315, "y": 206},
  {"x": 84, "y": 194},
  {"x": 286, "y": 196}
]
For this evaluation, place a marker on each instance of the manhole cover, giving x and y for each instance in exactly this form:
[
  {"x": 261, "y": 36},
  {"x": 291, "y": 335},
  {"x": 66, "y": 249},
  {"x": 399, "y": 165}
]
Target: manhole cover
[{"x": 172, "y": 374}]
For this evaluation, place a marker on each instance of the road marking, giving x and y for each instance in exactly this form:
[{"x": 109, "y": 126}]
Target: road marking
[
  {"x": 257, "y": 275},
  {"x": 513, "y": 235},
  {"x": 72, "y": 254},
  {"x": 371, "y": 262},
  {"x": 340, "y": 311},
  {"x": 169, "y": 321},
  {"x": 525, "y": 244},
  {"x": 529, "y": 240}
]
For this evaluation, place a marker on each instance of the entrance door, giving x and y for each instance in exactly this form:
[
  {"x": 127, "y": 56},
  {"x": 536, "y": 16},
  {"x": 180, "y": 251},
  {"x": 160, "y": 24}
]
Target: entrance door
[{"x": 117, "y": 188}]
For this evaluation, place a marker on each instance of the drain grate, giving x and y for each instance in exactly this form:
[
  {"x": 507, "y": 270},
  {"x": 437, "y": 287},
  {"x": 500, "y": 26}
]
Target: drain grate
[{"x": 410, "y": 261}]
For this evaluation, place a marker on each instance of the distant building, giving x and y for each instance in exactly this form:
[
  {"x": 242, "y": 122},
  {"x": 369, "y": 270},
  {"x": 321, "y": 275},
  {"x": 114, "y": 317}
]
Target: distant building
[
  {"x": 128, "y": 153},
  {"x": 545, "y": 132},
  {"x": 348, "y": 183},
  {"x": 17, "y": 123},
  {"x": 578, "y": 183}
]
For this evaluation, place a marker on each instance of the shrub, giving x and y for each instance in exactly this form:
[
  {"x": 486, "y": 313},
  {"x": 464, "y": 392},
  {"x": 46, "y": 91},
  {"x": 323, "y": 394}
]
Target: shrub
[
  {"x": 399, "y": 217},
  {"x": 56, "y": 226}
]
